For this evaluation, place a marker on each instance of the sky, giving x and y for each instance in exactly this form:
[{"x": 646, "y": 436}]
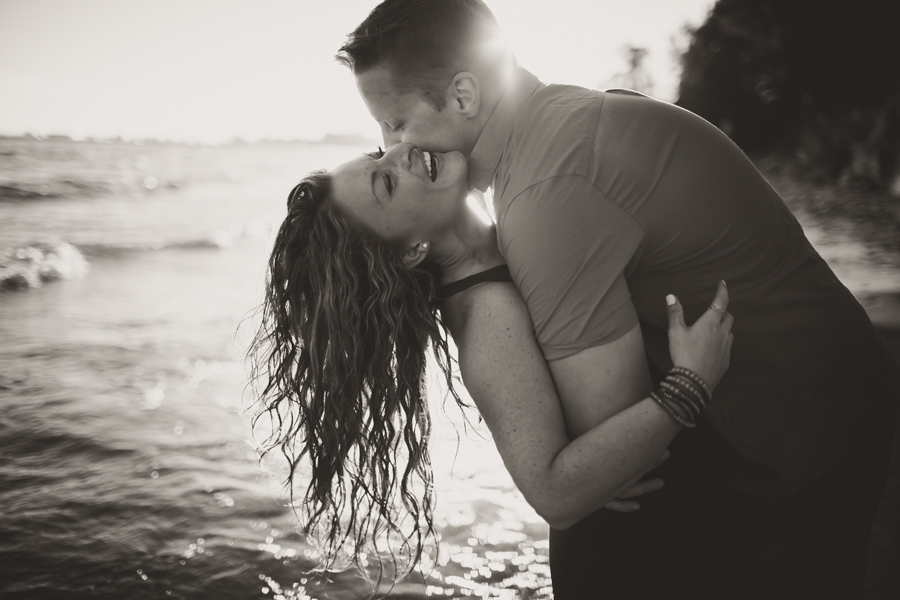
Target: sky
[{"x": 214, "y": 70}]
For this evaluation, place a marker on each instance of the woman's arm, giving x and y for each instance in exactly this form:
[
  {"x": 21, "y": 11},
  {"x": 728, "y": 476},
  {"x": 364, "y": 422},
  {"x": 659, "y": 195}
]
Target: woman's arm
[{"x": 505, "y": 373}]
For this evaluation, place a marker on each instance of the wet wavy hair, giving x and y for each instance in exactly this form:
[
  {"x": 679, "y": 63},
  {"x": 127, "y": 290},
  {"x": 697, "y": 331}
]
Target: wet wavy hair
[{"x": 339, "y": 361}]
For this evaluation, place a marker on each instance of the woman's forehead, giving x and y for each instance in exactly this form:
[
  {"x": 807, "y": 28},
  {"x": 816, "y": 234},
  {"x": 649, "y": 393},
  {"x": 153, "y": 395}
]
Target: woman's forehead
[{"x": 352, "y": 176}]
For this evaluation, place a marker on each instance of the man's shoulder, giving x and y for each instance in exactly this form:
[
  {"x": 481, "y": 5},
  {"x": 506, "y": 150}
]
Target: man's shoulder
[
  {"x": 553, "y": 136},
  {"x": 554, "y": 92},
  {"x": 556, "y": 113}
]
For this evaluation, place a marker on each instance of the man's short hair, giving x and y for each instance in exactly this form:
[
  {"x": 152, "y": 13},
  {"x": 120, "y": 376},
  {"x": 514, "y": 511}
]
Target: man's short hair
[{"x": 424, "y": 43}]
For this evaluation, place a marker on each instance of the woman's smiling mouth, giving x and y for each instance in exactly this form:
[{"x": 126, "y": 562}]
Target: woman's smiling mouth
[{"x": 430, "y": 164}]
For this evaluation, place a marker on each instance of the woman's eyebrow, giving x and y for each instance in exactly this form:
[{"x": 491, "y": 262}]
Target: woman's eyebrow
[
  {"x": 372, "y": 178},
  {"x": 374, "y": 195}
]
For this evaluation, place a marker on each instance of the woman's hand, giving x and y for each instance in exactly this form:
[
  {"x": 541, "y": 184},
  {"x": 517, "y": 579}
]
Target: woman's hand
[
  {"x": 636, "y": 487},
  {"x": 704, "y": 347}
]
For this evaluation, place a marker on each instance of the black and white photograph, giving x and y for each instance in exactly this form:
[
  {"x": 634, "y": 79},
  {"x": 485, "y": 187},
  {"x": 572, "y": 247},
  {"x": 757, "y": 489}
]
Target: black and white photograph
[{"x": 490, "y": 299}]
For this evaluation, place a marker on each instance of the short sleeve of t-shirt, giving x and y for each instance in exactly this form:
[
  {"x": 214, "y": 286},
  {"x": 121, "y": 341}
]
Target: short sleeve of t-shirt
[{"x": 567, "y": 247}]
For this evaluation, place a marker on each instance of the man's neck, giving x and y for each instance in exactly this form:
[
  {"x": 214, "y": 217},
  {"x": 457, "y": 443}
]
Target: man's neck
[
  {"x": 506, "y": 99},
  {"x": 491, "y": 93}
]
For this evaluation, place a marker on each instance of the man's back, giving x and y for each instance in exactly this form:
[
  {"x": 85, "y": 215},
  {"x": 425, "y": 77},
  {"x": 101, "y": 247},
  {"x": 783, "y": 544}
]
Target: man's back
[{"x": 608, "y": 202}]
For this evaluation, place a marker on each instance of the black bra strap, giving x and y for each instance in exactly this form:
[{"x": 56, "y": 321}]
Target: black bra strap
[{"x": 499, "y": 273}]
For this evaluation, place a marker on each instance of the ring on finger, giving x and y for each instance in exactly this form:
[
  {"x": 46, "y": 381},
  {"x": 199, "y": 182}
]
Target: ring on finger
[{"x": 717, "y": 308}]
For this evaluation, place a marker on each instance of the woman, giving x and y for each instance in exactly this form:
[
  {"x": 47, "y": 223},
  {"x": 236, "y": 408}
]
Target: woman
[{"x": 373, "y": 262}]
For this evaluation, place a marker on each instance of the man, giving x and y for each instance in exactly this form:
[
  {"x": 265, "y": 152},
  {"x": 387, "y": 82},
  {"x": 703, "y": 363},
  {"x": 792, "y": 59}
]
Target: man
[{"x": 606, "y": 202}]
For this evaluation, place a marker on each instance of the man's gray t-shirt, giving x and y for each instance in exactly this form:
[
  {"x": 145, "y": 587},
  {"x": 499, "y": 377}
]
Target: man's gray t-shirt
[{"x": 606, "y": 202}]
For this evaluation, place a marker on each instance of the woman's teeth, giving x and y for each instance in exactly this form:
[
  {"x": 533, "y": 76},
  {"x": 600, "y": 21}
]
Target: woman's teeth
[{"x": 430, "y": 166}]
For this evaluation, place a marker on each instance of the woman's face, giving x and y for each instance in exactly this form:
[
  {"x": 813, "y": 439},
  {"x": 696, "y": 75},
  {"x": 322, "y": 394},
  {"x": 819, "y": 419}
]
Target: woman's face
[{"x": 403, "y": 195}]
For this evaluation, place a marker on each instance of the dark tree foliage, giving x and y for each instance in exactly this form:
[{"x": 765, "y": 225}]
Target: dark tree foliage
[{"x": 816, "y": 79}]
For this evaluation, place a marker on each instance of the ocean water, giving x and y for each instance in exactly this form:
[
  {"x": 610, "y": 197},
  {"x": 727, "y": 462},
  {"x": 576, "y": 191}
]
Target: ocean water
[{"x": 128, "y": 468}]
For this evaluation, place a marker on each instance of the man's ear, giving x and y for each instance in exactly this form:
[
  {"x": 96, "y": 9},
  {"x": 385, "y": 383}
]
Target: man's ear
[
  {"x": 415, "y": 253},
  {"x": 465, "y": 94}
]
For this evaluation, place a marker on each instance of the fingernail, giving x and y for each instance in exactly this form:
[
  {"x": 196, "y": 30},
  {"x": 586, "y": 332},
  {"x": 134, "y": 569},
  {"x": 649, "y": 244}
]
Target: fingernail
[
  {"x": 670, "y": 300},
  {"x": 723, "y": 283}
]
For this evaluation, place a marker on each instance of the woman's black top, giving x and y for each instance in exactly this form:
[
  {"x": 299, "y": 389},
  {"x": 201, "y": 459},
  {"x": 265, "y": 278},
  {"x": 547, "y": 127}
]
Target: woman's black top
[{"x": 499, "y": 273}]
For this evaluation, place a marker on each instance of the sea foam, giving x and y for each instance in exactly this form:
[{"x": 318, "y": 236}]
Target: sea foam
[{"x": 31, "y": 265}]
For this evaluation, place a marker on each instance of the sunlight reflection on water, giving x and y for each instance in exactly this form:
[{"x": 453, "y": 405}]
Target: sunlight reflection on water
[{"x": 129, "y": 472}]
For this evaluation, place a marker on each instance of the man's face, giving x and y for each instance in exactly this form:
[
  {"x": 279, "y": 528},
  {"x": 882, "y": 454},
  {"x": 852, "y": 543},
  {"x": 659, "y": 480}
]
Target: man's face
[{"x": 408, "y": 117}]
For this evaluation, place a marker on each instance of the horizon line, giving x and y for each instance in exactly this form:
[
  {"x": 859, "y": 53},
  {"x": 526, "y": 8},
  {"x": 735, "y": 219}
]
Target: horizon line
[{"x": 328, "y": 138}]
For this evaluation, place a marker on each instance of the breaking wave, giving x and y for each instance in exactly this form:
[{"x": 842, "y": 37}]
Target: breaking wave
[{"x": 32, "y": 265}]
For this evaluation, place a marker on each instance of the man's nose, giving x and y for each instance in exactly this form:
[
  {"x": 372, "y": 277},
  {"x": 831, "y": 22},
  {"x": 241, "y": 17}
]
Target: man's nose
[{"x": 391, "y": 138}]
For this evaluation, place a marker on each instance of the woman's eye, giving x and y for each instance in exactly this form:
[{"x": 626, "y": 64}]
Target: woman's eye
[
  {"x": 378, "y": 153},
  {"x": 388, "y": 184}
]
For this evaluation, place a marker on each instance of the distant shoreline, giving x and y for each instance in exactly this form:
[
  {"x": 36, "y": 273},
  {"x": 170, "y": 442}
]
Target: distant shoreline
[{"x": 329, "y": 139}]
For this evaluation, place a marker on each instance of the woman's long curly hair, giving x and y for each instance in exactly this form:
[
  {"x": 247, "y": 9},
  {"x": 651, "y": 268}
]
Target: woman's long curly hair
[{"x": 340, "y": 362}]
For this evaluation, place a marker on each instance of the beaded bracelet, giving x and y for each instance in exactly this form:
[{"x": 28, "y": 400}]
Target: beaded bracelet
[
  {"x": 690, "y": 389},
  {"x": 683, "y": 395},
  {"x": 671, "y": 411},
  {"x": 678, "y": 404},
  {"x": 695, "y": 390},
  {"x": 694, "y": 378}
]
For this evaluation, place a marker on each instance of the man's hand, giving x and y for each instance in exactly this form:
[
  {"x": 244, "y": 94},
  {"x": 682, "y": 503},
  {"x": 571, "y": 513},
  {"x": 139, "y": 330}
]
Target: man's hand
[{"x": 635, "y": 488}]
